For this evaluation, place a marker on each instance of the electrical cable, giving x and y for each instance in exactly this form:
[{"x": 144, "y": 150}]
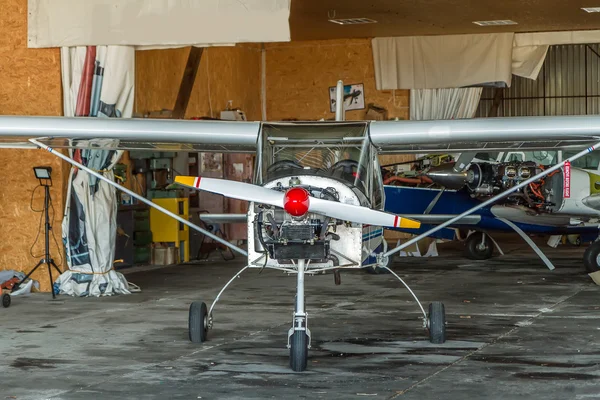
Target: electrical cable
[{"x": 39, "y": 224}]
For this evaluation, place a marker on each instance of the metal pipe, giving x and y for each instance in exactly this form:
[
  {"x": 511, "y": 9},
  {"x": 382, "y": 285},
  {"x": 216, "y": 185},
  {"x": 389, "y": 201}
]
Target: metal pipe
[
  {"x": 339, "y": 102},
  {"x": 140, "y": 198},
  {"x": 491, "y": 200},
  {"x": 214, "y": 303},
  {"x": 300, "y": 289}
]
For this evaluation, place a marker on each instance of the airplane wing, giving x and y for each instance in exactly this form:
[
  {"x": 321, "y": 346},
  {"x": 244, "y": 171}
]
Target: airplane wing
[
  {"x": 485, "y": 134},
  {"x": 133, "y": 134},
  {"x": 489, "y": 134}
]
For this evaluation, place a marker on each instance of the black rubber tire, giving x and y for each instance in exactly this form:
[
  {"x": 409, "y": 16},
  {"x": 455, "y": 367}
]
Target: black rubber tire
[
  {"x": 590, "y": 257},
  {"x": 198, "y": 322},
  {"x": 6, "y": 300},
  {"x": 298, "y": 351},
  {"x": 437, "y": 323},
  {"x": 472, "y": 250}
]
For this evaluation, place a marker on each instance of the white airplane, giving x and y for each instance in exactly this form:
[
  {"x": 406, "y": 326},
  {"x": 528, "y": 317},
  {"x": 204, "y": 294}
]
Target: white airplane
[{"x": 317, "y": 197}]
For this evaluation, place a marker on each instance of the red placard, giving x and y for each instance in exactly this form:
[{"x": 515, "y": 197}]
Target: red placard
[{"x": 567, "y": 180}]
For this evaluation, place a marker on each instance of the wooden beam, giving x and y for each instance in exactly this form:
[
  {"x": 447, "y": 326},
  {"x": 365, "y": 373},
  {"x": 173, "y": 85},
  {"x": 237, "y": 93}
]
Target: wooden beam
[
  {"x": 498, "y": 95},
  {"x": 187, "y": 82}
]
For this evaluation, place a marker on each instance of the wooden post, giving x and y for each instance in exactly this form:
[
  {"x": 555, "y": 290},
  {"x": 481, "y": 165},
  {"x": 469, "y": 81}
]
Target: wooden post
[{"x": 187, "y": 82}]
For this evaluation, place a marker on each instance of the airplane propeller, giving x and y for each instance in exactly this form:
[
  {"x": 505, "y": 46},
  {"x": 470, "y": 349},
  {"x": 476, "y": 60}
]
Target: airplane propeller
[{"x": 297, "y": 202}]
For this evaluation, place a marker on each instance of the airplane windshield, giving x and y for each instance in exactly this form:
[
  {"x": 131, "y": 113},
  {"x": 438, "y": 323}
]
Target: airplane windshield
[{"x": 339, "y": 150}]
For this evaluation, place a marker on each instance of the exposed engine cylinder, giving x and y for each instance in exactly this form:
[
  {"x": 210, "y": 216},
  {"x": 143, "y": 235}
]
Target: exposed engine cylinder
[{"x": 487, "y": 179}]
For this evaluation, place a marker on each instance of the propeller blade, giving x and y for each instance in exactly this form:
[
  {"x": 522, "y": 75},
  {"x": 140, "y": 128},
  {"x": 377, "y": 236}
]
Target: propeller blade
[
  {"x": 360, "y": 215},
  {"x": 233, "y": 189},
  {"x": 333, "y": 209}
]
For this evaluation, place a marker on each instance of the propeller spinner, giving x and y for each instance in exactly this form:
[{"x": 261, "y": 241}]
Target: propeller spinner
[{"x": 297, "y": 201}]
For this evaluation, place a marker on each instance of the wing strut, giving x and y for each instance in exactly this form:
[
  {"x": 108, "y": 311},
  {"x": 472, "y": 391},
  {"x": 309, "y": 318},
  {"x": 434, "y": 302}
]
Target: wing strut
[
  {"x": 530, "y": 242},
  {"x": 490, "y": 201},
  {"x": 140, "y": 198}
]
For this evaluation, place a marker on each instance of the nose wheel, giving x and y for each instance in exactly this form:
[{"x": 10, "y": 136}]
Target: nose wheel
[{"x": 298, "y": 351}]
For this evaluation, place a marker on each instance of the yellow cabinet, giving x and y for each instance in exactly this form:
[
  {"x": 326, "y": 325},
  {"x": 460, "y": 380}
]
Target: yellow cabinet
[{"x": 166, "y": 229}]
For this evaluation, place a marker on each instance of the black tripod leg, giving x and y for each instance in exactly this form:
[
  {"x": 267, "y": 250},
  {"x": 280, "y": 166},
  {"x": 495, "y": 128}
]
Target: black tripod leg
[
  {"x": 15, "y": 287},
  {"x": 56, "y": 267},
  {"x": 49, "y": 263}
]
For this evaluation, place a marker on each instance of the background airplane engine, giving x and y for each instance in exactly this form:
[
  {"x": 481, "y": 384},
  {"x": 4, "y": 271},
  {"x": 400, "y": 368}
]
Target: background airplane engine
[{"x": 486, "y": 180}]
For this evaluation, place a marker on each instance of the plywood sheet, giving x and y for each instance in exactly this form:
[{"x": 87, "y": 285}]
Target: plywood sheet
[
  {"x": 224, "y": 74},
  {"x": 30, "y": 85},
  {"x": 299, "y": 75}
]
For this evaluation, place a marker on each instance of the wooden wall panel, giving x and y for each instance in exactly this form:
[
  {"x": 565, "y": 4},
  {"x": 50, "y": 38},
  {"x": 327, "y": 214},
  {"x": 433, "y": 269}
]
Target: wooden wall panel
[
  {"x": 29, "y": 85},
  {"x": 225, "y": 73},
  {"x": 299, "y": 75}
]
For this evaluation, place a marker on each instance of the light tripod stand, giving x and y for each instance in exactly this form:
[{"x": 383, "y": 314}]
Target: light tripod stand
[{"x": 44, "y": 176}]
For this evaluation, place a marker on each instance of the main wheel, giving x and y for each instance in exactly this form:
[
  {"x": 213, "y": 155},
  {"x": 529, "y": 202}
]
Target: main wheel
[
  {"x": 6, "y": 300},
  {"x": 198, "y": 322},
  {"x": 475, "y": 250},
  {"x": 437, "y": 322},
  {"x": 591, "y": 257},
  {"x": 298, "y": 351}
]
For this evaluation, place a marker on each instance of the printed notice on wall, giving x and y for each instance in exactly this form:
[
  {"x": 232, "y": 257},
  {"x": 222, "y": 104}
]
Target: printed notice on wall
[{"x": 567, "y": 183}]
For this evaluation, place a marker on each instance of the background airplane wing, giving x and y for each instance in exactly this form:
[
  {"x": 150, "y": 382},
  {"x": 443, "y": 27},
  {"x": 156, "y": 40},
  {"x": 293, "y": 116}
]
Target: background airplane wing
[
  {"x": 133, "y": 134},
  {"x": 486, "y": 134}
]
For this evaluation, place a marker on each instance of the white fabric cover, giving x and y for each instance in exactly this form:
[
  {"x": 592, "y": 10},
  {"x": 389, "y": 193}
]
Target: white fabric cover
[
  {"x": 92, "y": 274},
  {"x": 90, "y": 220},
  {"x": 433, "y": 104},
  {"x": 432, "y": 62},
  {"x": 554, "y": 38},
  {"x": 62, "y": 23},
  {"x": 527, "y": 61}
]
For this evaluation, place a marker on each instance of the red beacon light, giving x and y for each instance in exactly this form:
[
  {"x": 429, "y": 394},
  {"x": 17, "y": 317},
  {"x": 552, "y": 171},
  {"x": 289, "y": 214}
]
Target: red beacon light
[{"x": 296, "y": 201}]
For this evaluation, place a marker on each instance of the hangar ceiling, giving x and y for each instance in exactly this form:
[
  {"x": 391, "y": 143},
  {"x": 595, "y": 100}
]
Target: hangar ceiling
[{"x": 309, "y": 18}]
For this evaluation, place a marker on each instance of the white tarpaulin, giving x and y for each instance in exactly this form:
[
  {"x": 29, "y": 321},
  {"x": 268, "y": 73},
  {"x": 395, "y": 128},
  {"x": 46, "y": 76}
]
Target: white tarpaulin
[
  {"x": 61, "y": 23},
  {"x": 97, "y": 82},
  {"x": 432, "y": 62}
]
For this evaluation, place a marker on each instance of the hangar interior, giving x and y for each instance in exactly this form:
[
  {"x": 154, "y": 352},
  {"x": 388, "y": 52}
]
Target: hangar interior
[{"x": 115, "y": 317}]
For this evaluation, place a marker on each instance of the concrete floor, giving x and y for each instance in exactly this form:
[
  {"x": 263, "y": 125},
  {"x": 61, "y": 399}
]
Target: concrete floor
[{"x": 516, "y": 330}]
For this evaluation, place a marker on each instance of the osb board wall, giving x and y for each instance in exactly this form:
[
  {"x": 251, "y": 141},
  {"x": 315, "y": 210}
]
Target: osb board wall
[
  {"x": 29, "y": 85},
  {"x": 299, "y": 75},
  {"x": 225, "y": 73}
]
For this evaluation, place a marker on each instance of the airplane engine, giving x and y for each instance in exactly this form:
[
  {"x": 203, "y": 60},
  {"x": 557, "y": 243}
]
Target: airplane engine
[{"x": 486, "y": 180}]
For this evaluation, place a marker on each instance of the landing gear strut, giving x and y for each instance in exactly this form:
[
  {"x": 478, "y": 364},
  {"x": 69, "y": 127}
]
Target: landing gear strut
[{"x": 299, "y": 334}]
